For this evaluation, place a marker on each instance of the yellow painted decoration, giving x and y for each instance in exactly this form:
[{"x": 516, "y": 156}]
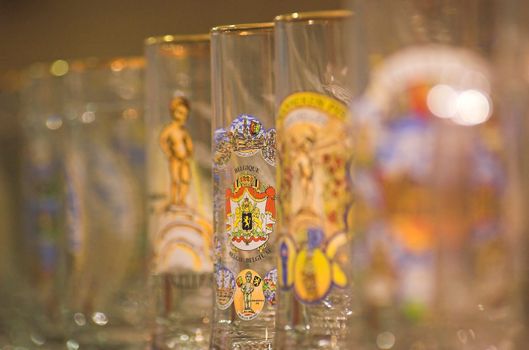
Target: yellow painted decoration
[
  {"x": 312, "y": 275},
  {"x": 249, "y": 297},
  {"x": 313, "y": 138},
  {"x": 338, "y": 276},
  {"x": 325, "y": 104},
  {"x": 334, "y": 244}
]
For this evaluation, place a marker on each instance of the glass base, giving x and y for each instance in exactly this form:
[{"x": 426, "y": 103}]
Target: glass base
[
  {"x": 123, "y": 338},
  {"x": 184, "y": 339},
  {"x": 182, "y": 333},
  {"x": 323, "y": 325},
  {"x": 491, "y": 331},
  {"x": 241, "y": 336},
  {"x": 307, "y": 341},
  {"x": 183, "y": 308}
]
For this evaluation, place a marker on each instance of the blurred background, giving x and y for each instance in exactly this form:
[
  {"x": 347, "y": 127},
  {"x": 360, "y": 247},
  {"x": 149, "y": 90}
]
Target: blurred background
[
  {"x": 50, "y": 29},
  {"x": 47, "y": 30}
]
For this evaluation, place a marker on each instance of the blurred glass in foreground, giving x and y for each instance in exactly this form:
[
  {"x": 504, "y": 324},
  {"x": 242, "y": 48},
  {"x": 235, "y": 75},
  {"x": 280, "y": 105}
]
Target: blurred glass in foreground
[
  {"x": 435, "y": 195},
  {"x": 11, "y": 299},
  {"x": 178, "y": 144},
  {"x": 512, "y": 60}
]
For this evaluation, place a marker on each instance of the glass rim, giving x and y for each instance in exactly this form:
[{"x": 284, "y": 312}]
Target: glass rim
[
  {"x": 176, "y": 38},
  {"x": 45, "y": 69},
  {"x": 313, "y": 15},
  {"x": 238, "y": 28},
  {"x": 115, "y": 63}
]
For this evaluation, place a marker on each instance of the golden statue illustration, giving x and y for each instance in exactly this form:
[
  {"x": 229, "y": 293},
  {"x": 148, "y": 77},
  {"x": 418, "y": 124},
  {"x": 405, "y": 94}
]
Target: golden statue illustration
[
  {"x": 177, "y": 145},
  {"x": 247, "y": 289}
]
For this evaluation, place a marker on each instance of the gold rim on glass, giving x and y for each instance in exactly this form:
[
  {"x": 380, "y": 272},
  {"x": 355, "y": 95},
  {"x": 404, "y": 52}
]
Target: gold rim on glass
[
  {"x": 241, "y": 28},
  {"x": 116, "y": 64},
  {"x": 185, "y": 38},
  {"x": 313, "y": 15}
]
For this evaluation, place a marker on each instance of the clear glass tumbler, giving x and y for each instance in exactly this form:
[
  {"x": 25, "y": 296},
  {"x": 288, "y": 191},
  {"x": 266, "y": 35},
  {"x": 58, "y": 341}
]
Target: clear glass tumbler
[
  {"x": 244, "y": 193},
  {"x": 178, "y": 144},
  {"x": 315, "y": 202},
  {"x": 10, "y": 213},
  {"x": 511, "y": 59},
  {"x": 106, "y": 291},
  {"x": 41, "y": 258},
  {"x": 434, "y": 190}
]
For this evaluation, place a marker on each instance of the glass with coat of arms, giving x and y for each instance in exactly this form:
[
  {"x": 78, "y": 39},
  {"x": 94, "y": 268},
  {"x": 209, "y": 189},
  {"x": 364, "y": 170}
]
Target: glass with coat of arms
[
  {"x": 312, "y": 78},
  {"x": 435, "y": 197},
  {"x": 178, "y": 144},
  {"x": 244, "y": 186}
]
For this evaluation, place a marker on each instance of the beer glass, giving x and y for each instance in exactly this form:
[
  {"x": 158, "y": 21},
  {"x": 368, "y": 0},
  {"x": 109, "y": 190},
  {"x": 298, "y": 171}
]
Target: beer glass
[
  {"x": 41, "y": 258},
  {"x": 10, "y": 136},
  {"x": 434, "y": 191},
  {"x": 178, "y": 145},
  {"x": 244, "y": 194},
  {"x": 106, "y": 291},
  {"x": 313, "y": 89},
  {"x": 10, "y": 155},
  {"x": 511, "y": 54}
]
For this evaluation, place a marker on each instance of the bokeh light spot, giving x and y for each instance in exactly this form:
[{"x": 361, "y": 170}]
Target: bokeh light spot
[
  {"x": 473, "y": 107},
  {"x": 385, "y": 340},
  {"x": 59, "y": 68},
  {"x": 442, "y": 101},
  {"x": 99, "y": 318},
  {"x": 53, "y": 122}
]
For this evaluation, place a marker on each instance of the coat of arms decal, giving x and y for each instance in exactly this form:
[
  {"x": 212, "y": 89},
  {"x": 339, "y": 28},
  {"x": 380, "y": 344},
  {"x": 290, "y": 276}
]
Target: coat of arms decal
[{"x": 250, "y": 212}]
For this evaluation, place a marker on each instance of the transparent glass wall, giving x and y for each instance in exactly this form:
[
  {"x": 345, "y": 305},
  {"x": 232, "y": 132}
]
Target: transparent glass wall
[
  {"x": 179, "y": 199},
  {"x": 106, "y": 291}
]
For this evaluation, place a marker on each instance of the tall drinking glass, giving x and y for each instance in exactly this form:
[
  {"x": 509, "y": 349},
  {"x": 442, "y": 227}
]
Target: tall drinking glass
[
  {"x": 511, "y": 58},
  {"x": 315, "y": 202},
  {"x": 244, "y": 186},
  {"x": 104, "y": 166},
  {"x": 10, "y": 155},
  {"x": 178, "y": 144},
  {"x": 434, "y": 190},
  {"x": 41, "y": 259}
]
